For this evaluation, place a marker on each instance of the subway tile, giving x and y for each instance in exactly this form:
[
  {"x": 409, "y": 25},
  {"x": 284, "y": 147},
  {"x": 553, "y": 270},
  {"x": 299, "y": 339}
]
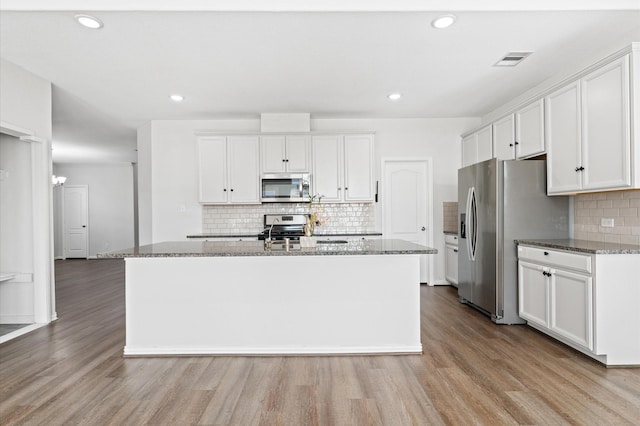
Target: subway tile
[
  {"x": 635, "y": 202},
  {"x": 620, "y": 203},
  {"x": 610, "y": 213},
  {"x": 614, "y": 195},
  {"x": 632, "y": 221},
  {"x": 605, "y": 204},
  {"x": 632, "y": 194},
  {"x": 599, "y": 196},
  {"x": 595, "y": 212},
  {"x": 631, "y": 212},
  {"x": 612, "y": 238},
  {"x": 630, "y": 239}
]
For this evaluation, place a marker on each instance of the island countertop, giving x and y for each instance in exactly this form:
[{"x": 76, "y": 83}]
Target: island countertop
[
  {"x": 583, "y": 246},
  {"x": 257, "y": 248}
]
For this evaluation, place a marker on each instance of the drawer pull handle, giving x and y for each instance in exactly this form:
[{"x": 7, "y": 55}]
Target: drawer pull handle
[
  {"x": 546, "y": 253},
  {"x": 455, "y": 250}
]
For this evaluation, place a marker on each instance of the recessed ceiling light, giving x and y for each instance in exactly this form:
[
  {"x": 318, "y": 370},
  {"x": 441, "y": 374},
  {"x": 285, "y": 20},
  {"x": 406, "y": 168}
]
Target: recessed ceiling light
[
  {"x": 443, "y": 21},
  {"x": 177, "y": 98},
  {"x": 89, "y": 21},
  {"x": 394, "y": 96}
]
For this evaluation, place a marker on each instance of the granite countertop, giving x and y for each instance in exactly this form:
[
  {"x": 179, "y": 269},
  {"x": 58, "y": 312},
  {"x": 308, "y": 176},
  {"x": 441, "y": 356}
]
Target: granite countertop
[
  {"x": 257, "y": 248},
  {"x": 584, "y": 246},
  {"x": 358, "y": 234}
]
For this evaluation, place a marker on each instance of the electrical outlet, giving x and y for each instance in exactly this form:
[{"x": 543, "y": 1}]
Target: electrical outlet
[{"x": 606, "y": 222}]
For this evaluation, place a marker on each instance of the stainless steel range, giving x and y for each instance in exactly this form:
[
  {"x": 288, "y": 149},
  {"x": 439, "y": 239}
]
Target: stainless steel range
[{"x": 281, "y": 226}]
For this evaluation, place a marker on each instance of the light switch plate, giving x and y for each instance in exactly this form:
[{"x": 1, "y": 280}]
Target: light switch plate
[{"x": 606, "y": 222}]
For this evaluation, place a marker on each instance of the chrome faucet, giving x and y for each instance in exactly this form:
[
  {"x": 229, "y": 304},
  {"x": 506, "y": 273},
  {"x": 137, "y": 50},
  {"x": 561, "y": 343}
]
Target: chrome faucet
[{"x": 270, "y": 229}]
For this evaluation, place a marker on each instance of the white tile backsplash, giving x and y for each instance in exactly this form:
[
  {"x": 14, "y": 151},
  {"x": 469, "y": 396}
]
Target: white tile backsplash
[
  {"x": 248, "y": 219},
  {"x": 621, "y": 206}
]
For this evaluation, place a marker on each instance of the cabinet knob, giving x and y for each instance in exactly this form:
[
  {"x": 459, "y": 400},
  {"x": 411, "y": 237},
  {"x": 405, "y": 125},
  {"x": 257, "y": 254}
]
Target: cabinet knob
[
  {"x": 510, "y": 144},
  {"x": 287, "y": 160},
  {"x": 423, "y": 229},
  {"x": 346, "y": 189},
  {"x": 339, "y": 189},
  {"x": 581, "y": 168},
  {"x": 517, "y": 143},
  {"x": 455, "y": 250},
  {"x": 546, "y": 253},
  {"x": 225, "y": 190},
  {"x": 231, "y": 189}
]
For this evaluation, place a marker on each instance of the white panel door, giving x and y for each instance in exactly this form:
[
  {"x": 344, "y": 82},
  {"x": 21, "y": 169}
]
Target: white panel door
[
  {"x": 212, "y": 169},
  {"x": 504, "y": 134},
  {"x": 327, "y": 167},
  {"x": 533, "y": 293},
  {"x": 469, "y": 150},
  {"x": 297, "y": 154},
  {"x": 484, "y": 139},
  {"x": 606, "y": 135},
  {"x": 405, "y": 201},
  {"x": 76, "y": 221},
  {"x": 562, "y": 127},
  {"x": 244, "y": 169},
  {"x": 358, "y": 168},
  {"x": 571, "y": 297},
  {"x": 529, "y": 127},
  {"x": 272, "y": 153}
]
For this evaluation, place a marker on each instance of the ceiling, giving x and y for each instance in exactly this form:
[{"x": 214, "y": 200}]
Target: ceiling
[{"x": 331, "y": 59}]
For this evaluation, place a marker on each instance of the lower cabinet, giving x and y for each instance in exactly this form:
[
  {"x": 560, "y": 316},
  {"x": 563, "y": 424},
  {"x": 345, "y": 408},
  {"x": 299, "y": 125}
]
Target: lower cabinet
[
  {"x": 451, "y": 259},
  {"x": 587, "y": 301}
]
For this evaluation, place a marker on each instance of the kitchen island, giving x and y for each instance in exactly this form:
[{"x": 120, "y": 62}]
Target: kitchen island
[{"x": 220, "y": 298}]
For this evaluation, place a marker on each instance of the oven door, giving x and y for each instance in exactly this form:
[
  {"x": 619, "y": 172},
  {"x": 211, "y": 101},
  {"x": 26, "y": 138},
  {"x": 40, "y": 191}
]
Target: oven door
[{"x": 285, "y": 188}]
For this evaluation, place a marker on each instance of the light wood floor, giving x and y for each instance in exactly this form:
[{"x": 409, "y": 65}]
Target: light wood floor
[{"x": 472, "y": 372}]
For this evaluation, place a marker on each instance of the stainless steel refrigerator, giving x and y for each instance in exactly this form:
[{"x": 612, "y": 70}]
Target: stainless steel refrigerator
[{"x": 500, "y": 201}]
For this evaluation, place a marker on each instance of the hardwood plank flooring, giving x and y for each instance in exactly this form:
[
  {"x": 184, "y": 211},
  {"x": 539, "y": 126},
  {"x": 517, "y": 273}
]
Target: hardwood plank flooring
[{"x": 472, "y": 372}]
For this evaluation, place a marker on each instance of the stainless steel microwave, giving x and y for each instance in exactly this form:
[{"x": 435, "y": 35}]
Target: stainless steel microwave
[{"x": 285, "y": 188}]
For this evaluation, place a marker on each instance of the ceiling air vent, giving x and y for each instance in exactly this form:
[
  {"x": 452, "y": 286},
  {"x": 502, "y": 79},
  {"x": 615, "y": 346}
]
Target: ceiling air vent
[{"x": 512, "y": 59}]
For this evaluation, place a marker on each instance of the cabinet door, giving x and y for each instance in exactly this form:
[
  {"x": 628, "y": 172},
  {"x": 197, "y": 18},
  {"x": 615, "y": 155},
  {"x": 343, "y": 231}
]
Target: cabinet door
[
  {"x": 451, "y": 264},
  {"x": 571, "y": 299},
  {"x": 212, "y": 169},
  {"x": 272, "y": 153},
  {"x": 533, "y": 293},
  {"x": 529, "y": 140},
  {"x": 244, "y": 175},
  {"x": 297, "y": 150},
  {"x": 504, "y": 133},
  {"x": 484, "y": 140},
  {"x": 606, "y": 137},
  {"x": 358, "y": 168},
  {"x": 327, "y": 170},
  {"x": 562, "y": 128},
  {"x": 469, "y": 150}
]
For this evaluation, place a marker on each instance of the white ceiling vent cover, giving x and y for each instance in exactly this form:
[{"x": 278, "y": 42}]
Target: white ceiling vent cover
[{"x": 512, "y": 59}]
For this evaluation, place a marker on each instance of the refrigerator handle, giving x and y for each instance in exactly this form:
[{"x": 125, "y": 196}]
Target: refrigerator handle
[{"x": 471, "y": 215}]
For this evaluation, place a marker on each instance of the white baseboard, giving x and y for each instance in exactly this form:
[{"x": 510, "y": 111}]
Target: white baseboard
[
  {"x": 16, "y": 319},
  {"x": 287, "y": 350},
  {"x": 441, "y": 282}
]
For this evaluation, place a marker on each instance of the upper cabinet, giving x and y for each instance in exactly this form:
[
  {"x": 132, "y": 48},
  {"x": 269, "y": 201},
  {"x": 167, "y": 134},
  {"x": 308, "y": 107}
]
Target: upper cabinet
[
  {"x": 521, "y": 134},
  {"x": 588, "y": 126},
  {"x": 343, "y": 167},
  {"x": 228, "y": 169},
  {"x": 285, "y": 154},
  {"x": 589, "y": 132},
  {"x": 477, "y": 146}
]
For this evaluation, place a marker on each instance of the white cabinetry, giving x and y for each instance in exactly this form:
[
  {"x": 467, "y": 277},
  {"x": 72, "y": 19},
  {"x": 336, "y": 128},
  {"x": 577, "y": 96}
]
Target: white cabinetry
[
  {"x": 477, "y": 147},
  {"x": 343, "y": 167},
  {"x": 589, "y": 133},
  {"x": 228, "y": 169},
  {"x": 281, "y": 154},
  {"x": 587, "y": 301},
  {"x": 451, "y": 259},
  {"x": 520, "y": 135}
]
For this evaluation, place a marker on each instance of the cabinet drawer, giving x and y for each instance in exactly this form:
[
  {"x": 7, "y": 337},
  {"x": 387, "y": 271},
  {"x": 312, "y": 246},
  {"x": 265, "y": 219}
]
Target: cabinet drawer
[
  {"x": 452, "y": 240},
  {"x": 578, "y": 262}
]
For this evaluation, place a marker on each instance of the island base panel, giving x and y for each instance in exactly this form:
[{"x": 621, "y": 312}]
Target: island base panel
[{"x": 273, "y": 305}]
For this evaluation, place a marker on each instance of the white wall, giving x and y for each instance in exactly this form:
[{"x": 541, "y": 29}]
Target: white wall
[
  {"x": 110, "y": 203},
  {"x": 25, "y": 103},
  {"x": 174, "y": 181},
  {"x": 25, "y": 100}
]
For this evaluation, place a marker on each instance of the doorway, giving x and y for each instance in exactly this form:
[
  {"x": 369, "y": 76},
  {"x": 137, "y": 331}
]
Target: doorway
[{"x": 407, "y": 205}]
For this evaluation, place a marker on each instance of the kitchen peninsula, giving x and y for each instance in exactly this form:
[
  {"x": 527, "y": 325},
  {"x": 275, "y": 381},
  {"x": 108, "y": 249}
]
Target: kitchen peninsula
[{"x": 214, "y": 297}]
